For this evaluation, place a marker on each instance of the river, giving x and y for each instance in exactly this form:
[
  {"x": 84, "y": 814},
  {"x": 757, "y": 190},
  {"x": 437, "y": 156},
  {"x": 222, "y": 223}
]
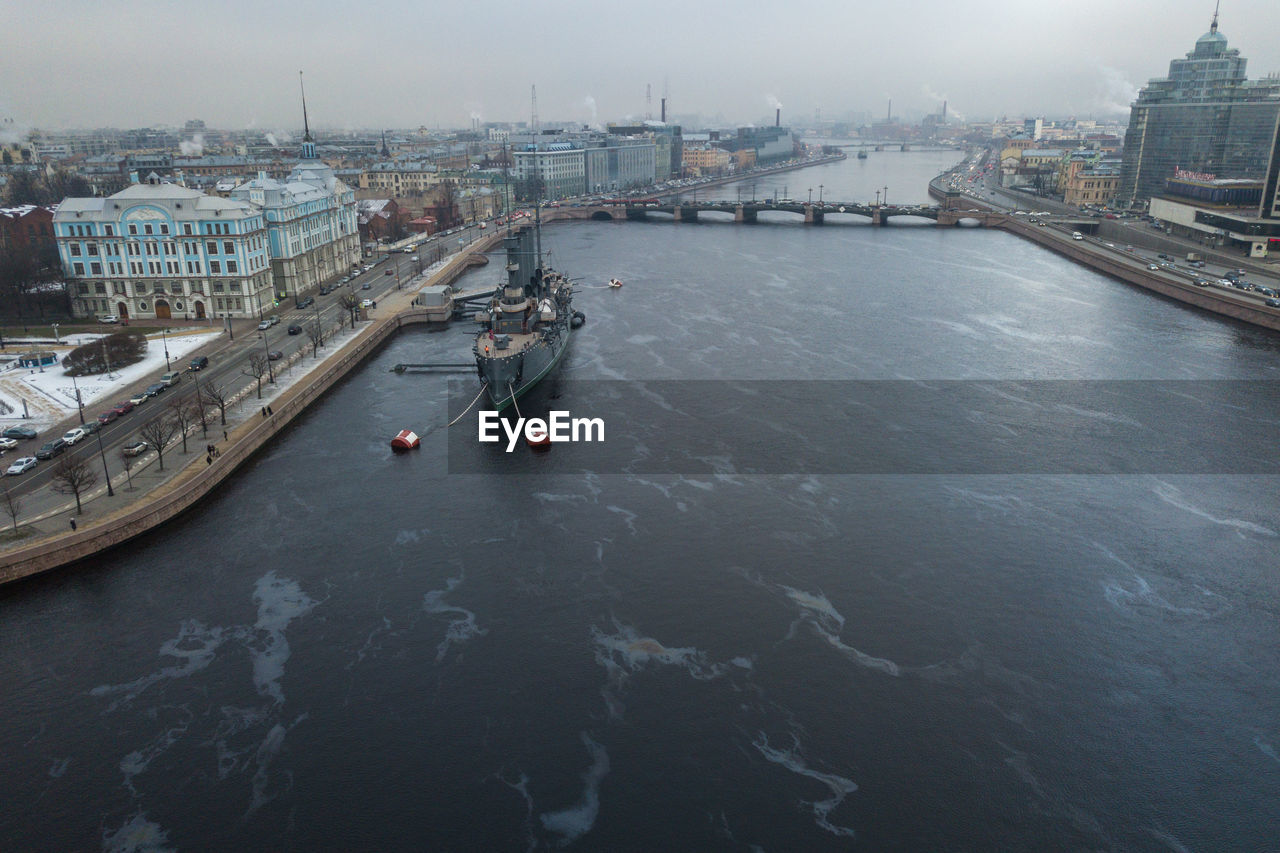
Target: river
[{"x": 459, "y": 649}]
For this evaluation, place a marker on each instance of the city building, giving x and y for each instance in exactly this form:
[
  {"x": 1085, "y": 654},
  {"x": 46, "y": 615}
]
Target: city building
[
  {"x": 1269, "y": 204},
  {"x": 1095, "y": 185},
  {"x": 25, "y": 226},
  {"x": 160, "y": 250},
  {"x": 1205, "y": 116},
  {"x": 559, "y": 169},
  {"x": 1219, "y": 212},
  {"x": 706, "y": 160}
]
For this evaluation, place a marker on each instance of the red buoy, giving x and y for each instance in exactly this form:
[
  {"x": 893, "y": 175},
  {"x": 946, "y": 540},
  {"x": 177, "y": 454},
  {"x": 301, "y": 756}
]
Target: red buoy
[{"x": 406, "y": 439}]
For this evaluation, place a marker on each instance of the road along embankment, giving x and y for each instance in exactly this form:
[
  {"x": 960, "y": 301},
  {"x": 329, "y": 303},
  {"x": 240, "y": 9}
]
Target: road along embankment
[
  {"x": 1117, "y": 264},
  {"x": 198, "y": 479}
]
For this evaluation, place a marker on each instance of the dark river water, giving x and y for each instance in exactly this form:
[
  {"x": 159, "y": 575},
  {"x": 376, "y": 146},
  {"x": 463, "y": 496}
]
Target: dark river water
[{"x": 463, "y": 649}]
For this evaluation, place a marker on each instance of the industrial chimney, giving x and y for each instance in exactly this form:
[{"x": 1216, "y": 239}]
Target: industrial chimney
[
  {"x": 664, "y": 110},
  {"x": 777, "y": 118}
]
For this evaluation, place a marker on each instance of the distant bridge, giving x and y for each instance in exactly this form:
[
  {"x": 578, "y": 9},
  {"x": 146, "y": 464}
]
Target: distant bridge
[{"x": 810, "y": 214}]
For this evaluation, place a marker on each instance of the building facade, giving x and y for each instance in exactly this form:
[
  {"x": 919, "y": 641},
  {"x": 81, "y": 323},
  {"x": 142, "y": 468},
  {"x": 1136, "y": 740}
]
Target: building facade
[
  {"x": 1205, "y": 116},
  {"x": 159, "y": 250}
]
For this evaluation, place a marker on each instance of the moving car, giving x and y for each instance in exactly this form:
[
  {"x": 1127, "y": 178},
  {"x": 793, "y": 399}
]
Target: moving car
[
  {"x": 22, "y": 466},
  {"x": 308, "y": 302},
  {"x": 295, "y": 329},
  {"x": 275, "y": 355},
  {"x": 50, "y": 449},
  {"x": 1152, "y": 267},
  {"x": 366, "y": 286},
  {"x": 388, "y": 272},
  {"x": 1273, "y": 303},
  {"x": 200, "y": 362},
  {"x": 8, "y": 443},
  {"x": 156, "y": 388},
  {"x": 137, "y": 448},
  {"x": 19, "y": 432},
  {"x": 1076, "y": 235},
  {"x": 109, "y": 318},
  {"x": 74, "y": 434}
]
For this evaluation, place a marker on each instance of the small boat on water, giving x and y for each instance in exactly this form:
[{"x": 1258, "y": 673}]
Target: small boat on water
[
  {"x": 406, "y": 439},
  {"x": 862, "y": 155},
  {"x": 613, "y": 282}
]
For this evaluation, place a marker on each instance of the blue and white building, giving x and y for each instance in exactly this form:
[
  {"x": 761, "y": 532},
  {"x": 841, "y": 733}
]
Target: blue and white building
[{"x": 160, "y": 250}]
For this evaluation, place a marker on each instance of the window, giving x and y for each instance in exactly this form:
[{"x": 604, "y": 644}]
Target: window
[
  {"x": 108, "y": 230},
  {"x": 170, "y": 249},
  {"x": 93, "y": 249},
  {"x": 186, "y": 228},
  {"x": 228, "y": 248},
  {"x": 79, "y": 269},
  {"x": 231, "y": 266},
  {"x": 152, "y": 249},
  {"x": 133, "y": 249},
  {"x": 100, "y": 288},
  {"x": 95, "y": 268},
  {"x": 75, "y": 250},
  {"x": 147, "y": 227},
  {"x": 82, "y": 289},
  {"x": 140, "y": 287},
  {"x": 211, "y": 247},
  {"x": 215, "y": 267},
  {"x": 164, "y": 229}
]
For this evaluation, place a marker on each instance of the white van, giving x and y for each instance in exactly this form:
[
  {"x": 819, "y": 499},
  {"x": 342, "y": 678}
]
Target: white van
[{"x": 1076, "y": 235}]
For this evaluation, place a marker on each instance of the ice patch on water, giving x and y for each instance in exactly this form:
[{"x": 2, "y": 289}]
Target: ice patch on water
[
  {"x": 140, "y": 759},
  {"x": 458, "y": 630},
  {"x": 58, "y": 768},
  {"x": 628, "y": 515},
  {"x": 280, "y": 601},
  {"x": 828, "y": 623},
  {"x": 839, "y": 786},
  {"x": 573, "y": 823},
  {"x": 1264, "y": 746},
  {"x": 1119, "y": 594},
  {"x": 194, "y": 646},
  {"x": 138, "y": 835},
  {"x": 267, "y": 751},
  {"x": 744, "y": 663},
  {"x": 1168, "y": 839},
  {"x": 1173, "y": 496},
  {"x": 629, "y": 648},
  {"x": 1004, "y": 504},
  {"x": 549, "y": 498}
]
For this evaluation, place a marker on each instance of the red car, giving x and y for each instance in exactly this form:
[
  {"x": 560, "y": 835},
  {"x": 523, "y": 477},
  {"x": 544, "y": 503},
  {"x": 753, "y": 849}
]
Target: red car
[
  {"x": 108, "y": 417},
  {"x": 122, "y": 408}
]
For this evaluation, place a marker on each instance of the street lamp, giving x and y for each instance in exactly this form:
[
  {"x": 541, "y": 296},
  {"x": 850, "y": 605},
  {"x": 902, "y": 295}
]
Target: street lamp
[
  {"x": 886, "y": 195},
  {"x": 166, "y": 349},
  {"x": 271, "y": 377},
  {"x": 819, "y": 195},
  {"x": 810, "y": 195},
  {"x": 78, "y": 402},
  {"x": 55, "y": 333},
  {"x": 103, "y": 453}
]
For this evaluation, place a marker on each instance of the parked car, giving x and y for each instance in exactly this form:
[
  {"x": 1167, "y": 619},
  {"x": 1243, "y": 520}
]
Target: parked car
[
  {"x": 19, "y": 432},
  {"x": 122, "y": 408},
  {"x": 90, "y": 427},
  {"x": 388, "y": 272},
  {"x": 8, "y": 443},
  {"x": 21, "y": 466},
  {"x": 275, "y": 355},
  {"x": 326, "y": 290},
  {"x": 308, "y": 302},
  {"x": 137, "y": 448},
  {"x": 200, "y": 362},
  {"x": 367, "y": 303},
  {"x": 172, "y": 378},
  {"x": 156, "y": 388},
  {"x": 109, "y": 318},
  {"x": 295, "y": 329},
  {"x": 73, "y": 435},
  {"x": 140, "y": 398},
  {"x": 108, "y": 416},
  {"x": 50, "y": 449},
  {"x": 265, "y": 324}
]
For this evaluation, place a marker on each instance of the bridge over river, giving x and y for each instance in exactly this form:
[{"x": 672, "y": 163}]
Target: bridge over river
[{"x": 809, "y": 213}]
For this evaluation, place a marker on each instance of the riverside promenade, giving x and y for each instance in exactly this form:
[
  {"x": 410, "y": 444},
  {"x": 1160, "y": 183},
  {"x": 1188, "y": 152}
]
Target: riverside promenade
[{"x": 149, "y": 497}]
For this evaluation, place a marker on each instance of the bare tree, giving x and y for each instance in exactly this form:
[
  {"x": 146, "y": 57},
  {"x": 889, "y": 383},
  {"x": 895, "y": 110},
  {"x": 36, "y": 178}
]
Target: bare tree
[
  {"x": 350, "y": 303},
  {"x": 215, "y": 396},
  {"x": 257, "y": 367},
  {"x": 73, "y": 476},
  {"x": 183, "y": 415},
  {"x": 157, "y": 433},
  {"x": 315, "y": 334},
  {"x": 12, "y": 505},
  {"x": 127, "y": 459}
]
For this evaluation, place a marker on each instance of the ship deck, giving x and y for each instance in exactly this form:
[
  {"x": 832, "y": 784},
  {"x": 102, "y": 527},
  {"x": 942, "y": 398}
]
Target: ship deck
[{"x": 520, "y": 341}]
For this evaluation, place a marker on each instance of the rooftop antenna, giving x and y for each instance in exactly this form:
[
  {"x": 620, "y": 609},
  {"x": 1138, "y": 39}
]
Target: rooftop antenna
[
  {"x": 1213, "y": 27},
  {"x": 648, "y": 101},
  {"x": 534, "y": 119}
]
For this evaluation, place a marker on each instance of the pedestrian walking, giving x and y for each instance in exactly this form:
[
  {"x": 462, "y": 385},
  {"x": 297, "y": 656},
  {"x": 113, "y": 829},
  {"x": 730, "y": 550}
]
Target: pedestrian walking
[
  {"x": 208, "y": 460},
  {"x": 73, "y": 525},
  {"x": 269, "y": 412},
  {"x": 224, "y": 435},
  {"x": 264, "y": 411}
]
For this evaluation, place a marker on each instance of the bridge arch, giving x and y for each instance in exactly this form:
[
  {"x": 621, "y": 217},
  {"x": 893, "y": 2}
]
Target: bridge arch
[{"x": 602, "y": 216}]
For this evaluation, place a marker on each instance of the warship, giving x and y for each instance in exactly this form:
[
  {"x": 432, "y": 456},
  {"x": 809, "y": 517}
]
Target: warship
[{"x": 527, "y": 323}]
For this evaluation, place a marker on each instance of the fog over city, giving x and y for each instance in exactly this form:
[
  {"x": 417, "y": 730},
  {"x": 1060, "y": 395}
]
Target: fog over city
[{"x": 403, "y": 64}]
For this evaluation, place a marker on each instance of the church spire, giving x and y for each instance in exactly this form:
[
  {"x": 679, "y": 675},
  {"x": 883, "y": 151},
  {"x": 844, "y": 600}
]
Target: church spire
[
  {"x": 385, "y": 151},
  {"x": 308, "y": 147}
]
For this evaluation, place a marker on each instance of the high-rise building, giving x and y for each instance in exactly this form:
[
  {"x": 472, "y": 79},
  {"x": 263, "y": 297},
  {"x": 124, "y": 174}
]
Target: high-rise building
[{"x": 1205, "y": 116}]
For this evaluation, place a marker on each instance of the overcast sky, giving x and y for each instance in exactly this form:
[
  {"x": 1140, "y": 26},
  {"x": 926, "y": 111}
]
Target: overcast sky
[{"x": 235, "y": 63}]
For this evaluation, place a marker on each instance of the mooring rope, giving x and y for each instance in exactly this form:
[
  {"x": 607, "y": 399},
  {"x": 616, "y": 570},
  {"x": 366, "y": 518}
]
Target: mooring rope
[
  {"x": 512, "y": 392},
  {"x": 473, "y": 402}
]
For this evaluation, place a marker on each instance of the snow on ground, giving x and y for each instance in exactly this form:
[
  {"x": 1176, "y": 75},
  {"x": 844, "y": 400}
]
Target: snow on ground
[{"x": 50, "y": 395}]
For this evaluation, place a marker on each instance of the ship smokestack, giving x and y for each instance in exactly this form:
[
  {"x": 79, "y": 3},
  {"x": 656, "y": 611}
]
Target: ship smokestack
[
  {"x": 944, "y": 112},
  {"x": 889, "y": 117},
  {"x": 664, "y": 110},
  {"x": 777, "y": 118}
]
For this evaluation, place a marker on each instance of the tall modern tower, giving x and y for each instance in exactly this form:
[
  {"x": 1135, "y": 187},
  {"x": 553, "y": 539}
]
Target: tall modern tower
[{"x": 1205, "y": 116}]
